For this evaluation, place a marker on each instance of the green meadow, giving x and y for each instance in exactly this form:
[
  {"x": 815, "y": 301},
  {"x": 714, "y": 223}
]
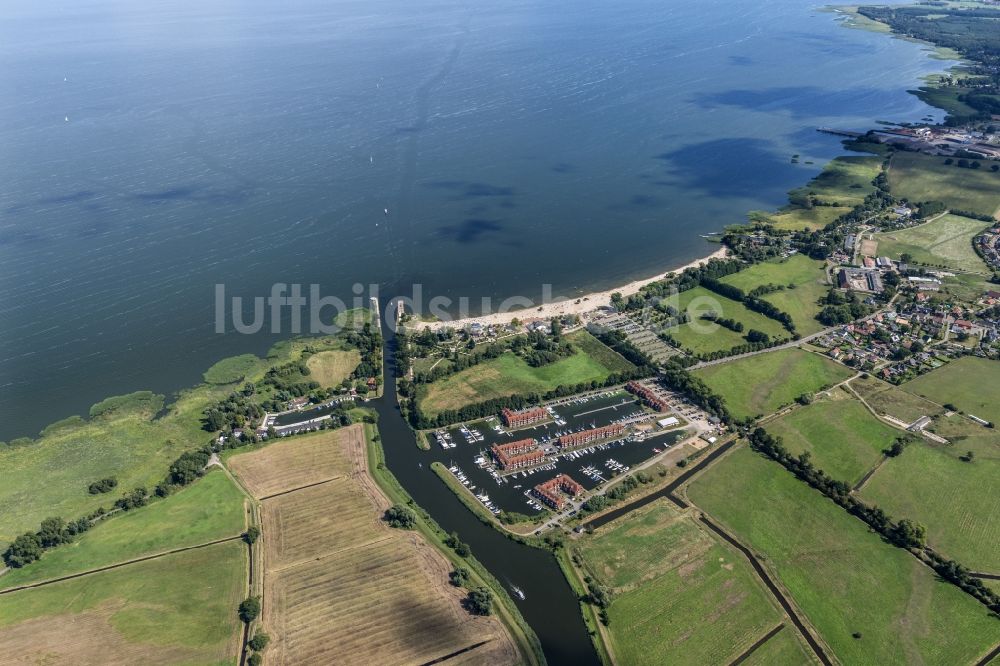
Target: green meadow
[
  {"x": 209, "y": 509},
  {"x": 761, "y": 384},
  {"x": 844, "y": 439},
  {"x": 871, "y": 602},
  {"x": 678, "y": 596},
  {"x": 918, "y": 177}
]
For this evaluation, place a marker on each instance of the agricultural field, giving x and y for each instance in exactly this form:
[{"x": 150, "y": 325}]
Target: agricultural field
[
  {"x": 509, "y": 375},
  {"x": 919, "y": 177},
  {"x": 677, "y": 594},
  {"x": 969, "y": 383},
  {"x": 805, "y": 282},
  {"x": 843, "y": 577},
  {"x": 958, "y": 502},
  {"x": 700, "y": 301},
  {"x": 761, "y": 384},
  {"x": 337, "y": 579},
  {"x": 841, "y": 435},
  {"x": 331, "y": 368},
  {"x": 175, "y": 609},
  {"x": 890, "y": 400},
  {"x": 291, "y": 463},
  {"x": 947, "y": 242},
  {"x": 211, "y": 508}
]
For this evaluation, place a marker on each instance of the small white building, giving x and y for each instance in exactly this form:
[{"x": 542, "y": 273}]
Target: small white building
[{"x": 667, "y": 422}]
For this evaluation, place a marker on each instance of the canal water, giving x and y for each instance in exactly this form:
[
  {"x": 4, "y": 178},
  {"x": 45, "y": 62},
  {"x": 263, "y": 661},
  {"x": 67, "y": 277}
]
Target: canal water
[{"x": 550, "y": 605}]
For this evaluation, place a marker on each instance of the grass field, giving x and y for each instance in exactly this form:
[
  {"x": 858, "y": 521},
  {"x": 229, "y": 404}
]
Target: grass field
[
  {"x": 800, "y": 302},
  {"x": 177, "y": 609},
  {"x": 885, "y": 398},
  {"x": 919, "y": 177},
  {"x": 331, "y": 368},
  {"x": 947, "y": 241},
  {"x": 958, "y": 502},
  {"x": 510, "y": 375},
  {"x": 971, "y": 384},
  {"x": 782, "y": 649},
  {"x": 678, "y": 595},
  {"x": 338, "y": 581},
  {"x": 759, "y": 385},
  {"x": 700, "y": 301},
  {"x": 843, "y": 576},
  {"x": 843, "y": 437},
  {"x": 209, "y": 509}
]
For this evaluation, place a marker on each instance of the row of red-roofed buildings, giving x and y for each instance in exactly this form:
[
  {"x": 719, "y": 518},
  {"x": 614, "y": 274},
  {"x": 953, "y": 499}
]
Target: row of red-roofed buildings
[
  {"x": 515, "y": 455},
  {"x": 575, "y": 439},
  {"x": 525, "y": 417},
  {"x": 648, "y": 396}
]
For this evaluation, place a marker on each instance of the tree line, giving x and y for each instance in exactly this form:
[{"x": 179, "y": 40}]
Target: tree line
[{"x": 903, "y": 533}]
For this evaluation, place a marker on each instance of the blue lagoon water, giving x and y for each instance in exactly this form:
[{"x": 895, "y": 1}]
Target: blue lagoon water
[{"x": 151, "y": 150}]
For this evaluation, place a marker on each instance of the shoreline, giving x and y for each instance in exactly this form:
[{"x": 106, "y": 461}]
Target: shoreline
[{"x": 569, "y": 306}]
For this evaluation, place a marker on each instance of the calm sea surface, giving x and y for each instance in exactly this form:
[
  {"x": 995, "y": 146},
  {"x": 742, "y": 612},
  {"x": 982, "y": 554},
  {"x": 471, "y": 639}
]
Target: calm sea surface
[{"x": 151, "y": 150}]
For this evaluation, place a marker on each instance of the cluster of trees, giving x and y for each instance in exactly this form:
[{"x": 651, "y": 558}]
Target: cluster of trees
[
  {"x": 368, "y": 341},
  {"x": 841, "y": 308},
  {"x": 400, "y": 517},
  {"x": 537, "y": 349},
  {"x": 679, "y": 379},
  {"x": 897, "y": 447},
  {"x": 600, "y": 596},
  {"x": 257, "y": 644},
  {"x": 903, "y": 533},
  {"x": 750, "y": 302},
  {"x": 724, "y": 322},
  {"x": 461, "y": 548},
  {"x": 53, "y": 532},
  {"x": 460, "y": 577},
  {"x": 103, "y": 486},
  {"x": 479, "y": 601}
]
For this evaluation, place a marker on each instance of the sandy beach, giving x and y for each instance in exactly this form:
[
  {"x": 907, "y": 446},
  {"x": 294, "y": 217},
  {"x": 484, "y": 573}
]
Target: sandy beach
[{"x": 570, "y": 306}]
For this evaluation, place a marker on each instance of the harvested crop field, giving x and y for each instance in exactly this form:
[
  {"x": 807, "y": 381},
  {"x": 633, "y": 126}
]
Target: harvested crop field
[
  {"x": 337, "y": 580},
  {"x": 297, "y": 462}
]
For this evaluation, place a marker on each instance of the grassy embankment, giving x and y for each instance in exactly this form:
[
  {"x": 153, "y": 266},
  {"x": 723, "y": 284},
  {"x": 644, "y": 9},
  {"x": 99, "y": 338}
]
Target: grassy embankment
[
  {"x": 870, "y": 602},
  {"x": 761, "y": 384},
  {"x": 946, "y": 242},
  {"x": 510, "y": 375}
]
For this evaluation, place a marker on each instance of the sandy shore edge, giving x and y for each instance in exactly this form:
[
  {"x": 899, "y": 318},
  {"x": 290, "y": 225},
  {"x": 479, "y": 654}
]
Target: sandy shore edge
[{"x": 570, "y": 306}]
